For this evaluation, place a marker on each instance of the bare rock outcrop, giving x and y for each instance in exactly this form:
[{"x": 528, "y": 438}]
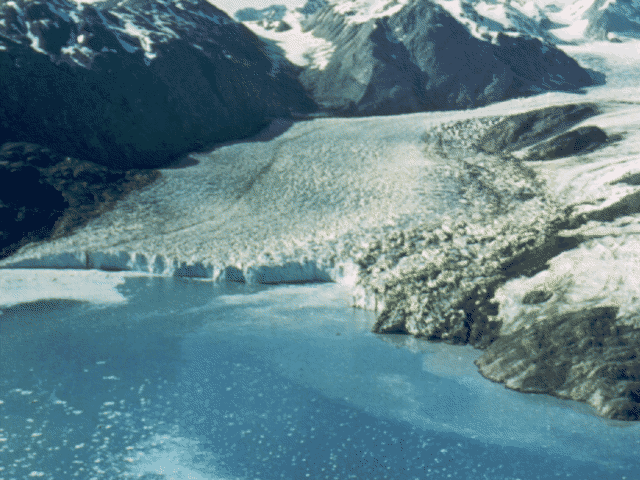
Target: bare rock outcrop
[
  {"x": 610, "y": 20},
  {"x": 582, "y": 355},
  {"x": 519, "y": 131},
  {"x": 574, "y": 142},
  {"x": 28, "y": 208}
]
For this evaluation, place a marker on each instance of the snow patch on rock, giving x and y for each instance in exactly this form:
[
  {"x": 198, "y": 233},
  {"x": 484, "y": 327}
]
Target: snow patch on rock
[
  {"x": 300, "y": 47},
  {"x": 361, "y": 11}
]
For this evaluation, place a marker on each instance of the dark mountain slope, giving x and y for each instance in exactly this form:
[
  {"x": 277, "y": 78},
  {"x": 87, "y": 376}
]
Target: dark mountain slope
[
  {"x": 137, "y": 85},
  {"x": 421, "y": 58}
]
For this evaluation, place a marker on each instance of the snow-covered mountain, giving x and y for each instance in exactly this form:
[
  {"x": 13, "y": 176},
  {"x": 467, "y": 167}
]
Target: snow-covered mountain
[
  {"x": 272, "y": 13},
  {"x": 368, "y": 57},
  {"x": 270, "y": 18},
  {"x": 601, "y": 19},
  {"x": 556, "y": 21},
  {"x": 487, "y": 18},
  {"x": 273, "y": 17},
  {"x": 134, "y": 83}
]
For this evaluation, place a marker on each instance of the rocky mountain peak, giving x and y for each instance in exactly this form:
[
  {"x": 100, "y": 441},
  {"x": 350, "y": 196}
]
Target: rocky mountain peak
[
  {"x": 413, "y": 55},
  {"x": 311, "y": 7},
  {"x": 271, "y": 13}
]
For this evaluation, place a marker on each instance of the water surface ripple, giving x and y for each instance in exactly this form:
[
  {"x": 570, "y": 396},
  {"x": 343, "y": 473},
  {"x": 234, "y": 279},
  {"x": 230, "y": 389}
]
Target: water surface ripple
[{"x": 189, "y": 380}]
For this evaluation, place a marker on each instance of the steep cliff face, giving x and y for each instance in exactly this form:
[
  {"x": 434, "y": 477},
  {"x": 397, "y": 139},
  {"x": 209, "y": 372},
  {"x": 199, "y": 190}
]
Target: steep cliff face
[
  {"x": 137, "y": 84},
  {"x": 415, "y": 56}
]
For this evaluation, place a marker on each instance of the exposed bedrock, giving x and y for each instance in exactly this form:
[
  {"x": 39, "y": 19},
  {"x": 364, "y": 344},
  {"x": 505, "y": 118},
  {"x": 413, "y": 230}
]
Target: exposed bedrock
[
  {"x": 582, "y": 355},
  {"x": 519, "y": 131},
  {"x": 420, "y": 58},
  {"x": 573, "y": 329},
  {"x": 574, "y": 142},
  {"x": 137, "y": 85},
  {"x": 44, "y": 195}
]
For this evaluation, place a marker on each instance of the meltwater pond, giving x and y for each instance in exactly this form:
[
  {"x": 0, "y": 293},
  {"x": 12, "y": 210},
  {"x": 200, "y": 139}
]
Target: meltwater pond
[{"x": 188, "y": 380}]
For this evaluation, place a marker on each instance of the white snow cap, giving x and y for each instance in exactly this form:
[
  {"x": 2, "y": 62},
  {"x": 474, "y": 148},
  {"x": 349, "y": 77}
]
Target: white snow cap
[{"x": 360, "y": 11}]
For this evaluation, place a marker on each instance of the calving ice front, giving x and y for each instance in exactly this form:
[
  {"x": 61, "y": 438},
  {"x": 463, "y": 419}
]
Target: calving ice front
[{"x": 467, "y": 170}]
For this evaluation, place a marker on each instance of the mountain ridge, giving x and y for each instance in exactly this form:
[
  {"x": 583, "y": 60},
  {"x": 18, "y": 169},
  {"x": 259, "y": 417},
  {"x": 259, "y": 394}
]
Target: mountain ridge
[
  {"x": 399, "y": 57},
  {"x": 138, "y": 84}
]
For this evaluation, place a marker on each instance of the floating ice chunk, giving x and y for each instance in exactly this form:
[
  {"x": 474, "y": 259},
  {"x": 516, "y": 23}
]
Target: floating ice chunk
[{"x": 23, "y": 286}]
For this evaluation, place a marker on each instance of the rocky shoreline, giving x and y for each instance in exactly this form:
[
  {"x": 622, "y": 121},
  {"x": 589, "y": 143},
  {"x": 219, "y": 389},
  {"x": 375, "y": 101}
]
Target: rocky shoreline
[{"x": 442, "y": 286}]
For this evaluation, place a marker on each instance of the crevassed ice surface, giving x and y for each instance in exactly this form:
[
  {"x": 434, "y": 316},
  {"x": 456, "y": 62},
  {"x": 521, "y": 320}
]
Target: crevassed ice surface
[
  {"x": 165, "y": 378},
  {"x": 299, "y": 200}
]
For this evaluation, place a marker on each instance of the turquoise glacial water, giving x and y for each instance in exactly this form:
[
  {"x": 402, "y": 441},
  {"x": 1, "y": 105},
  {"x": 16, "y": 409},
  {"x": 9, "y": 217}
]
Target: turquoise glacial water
[{"x": 192, "y": 380}]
